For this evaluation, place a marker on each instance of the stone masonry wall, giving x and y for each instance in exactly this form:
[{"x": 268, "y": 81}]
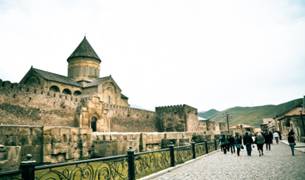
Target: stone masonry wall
[
  {"x": 107, "y": 144},
  {"x": 50, "y": 144},
  {"x": 126, "y": 119},
  {"x": 171, "y": 118},
  {"x": 28, "y": 137},
  {"x": 24, "y": 105},
  {"x": 63, "y": 144},
  {"x": 178, "y": 118},
  {"x": 152, "y": 140},
  {"x": 114, "y": 118},
  {"x": 193, "y": 124},
  {"x": 53, "y": 144}
]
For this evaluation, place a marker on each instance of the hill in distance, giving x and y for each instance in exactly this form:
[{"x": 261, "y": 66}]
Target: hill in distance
[
  {"x": 250, "y": 115},
  {"x": 208, "y": 114}
]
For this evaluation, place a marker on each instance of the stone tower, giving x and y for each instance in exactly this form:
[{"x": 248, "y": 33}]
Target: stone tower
[{"x": 84, "y": 63}]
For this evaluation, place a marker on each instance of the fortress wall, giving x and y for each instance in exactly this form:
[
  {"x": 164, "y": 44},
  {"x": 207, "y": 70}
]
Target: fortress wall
[
  {"x": 21, "y": 104},
  {"x": 172, "y": 118},
  {"x": 178, "y": 118},
  {"x": 127, "y": 119},
  {"x": 193, "y": 124}
]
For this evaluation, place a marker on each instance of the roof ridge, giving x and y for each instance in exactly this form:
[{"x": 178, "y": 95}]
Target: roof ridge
[
  {"x": 55, "y": 77},
  {"x": 51, "y": 73}
]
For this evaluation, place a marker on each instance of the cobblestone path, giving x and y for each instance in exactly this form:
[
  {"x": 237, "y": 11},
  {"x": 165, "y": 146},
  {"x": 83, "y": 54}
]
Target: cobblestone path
[{"x": 275, "y": 164}]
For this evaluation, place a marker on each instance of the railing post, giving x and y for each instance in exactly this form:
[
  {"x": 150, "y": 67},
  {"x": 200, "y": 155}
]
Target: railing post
[
  {"x": 215, "y": 144},
  {"x": 27, "y": 168},
  {"x": 206, "y": 147},
  {"x": 194, "y": 149},
  {"x": 131, "y": 164},
  {"x": 172, "y": 155}
]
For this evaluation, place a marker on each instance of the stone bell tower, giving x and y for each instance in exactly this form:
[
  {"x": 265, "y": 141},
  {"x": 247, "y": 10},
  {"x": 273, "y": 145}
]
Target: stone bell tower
[{"x": 84, "y": 63}]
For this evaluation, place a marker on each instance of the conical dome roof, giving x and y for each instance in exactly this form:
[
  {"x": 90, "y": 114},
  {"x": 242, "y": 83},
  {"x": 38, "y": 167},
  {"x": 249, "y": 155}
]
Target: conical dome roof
[{"x": 84, "y": 50}]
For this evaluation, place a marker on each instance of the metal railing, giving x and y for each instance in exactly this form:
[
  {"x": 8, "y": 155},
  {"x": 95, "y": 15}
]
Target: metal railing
[
  {"x": 150, "y": 162},
  {"x": 10, "y": 175},
  {"x": 130, "y": 166}
]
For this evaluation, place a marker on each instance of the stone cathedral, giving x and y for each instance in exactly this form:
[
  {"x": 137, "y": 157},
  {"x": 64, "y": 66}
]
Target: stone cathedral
[
  {"x": 59, "y": 118},
  {"x": 83, "y": 77},
  {"x": 84, "y": 99}
]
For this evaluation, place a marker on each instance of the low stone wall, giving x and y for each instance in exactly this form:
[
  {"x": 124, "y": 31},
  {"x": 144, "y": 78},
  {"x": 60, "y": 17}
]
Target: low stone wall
[
  {"x": 107, "y": 144},
  {"x": 152, "y": 141},
  {"x": 53, "y": 144},
  {"x": 50, "y": 144},
  {"x": 63, "y": 144},
  {"x": 9, "y": 157},
  {"x": 29, "y": 138}
]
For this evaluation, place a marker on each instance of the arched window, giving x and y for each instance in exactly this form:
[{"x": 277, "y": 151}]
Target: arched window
[
  {"x": 93, "y": 123},
  {"x": 54, "y": 89},
  {"x": 67, "y": 91},
  {"x": 77, "y": 93}
]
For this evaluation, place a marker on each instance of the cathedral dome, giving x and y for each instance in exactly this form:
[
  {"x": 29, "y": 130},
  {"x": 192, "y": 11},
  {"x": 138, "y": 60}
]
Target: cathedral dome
[
  {"x": 84, "y": 50},
  {"x": 84, "y": 63}
]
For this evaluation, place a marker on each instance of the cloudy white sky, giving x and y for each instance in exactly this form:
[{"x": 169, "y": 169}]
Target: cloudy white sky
[{"x": 208, "y": 54}]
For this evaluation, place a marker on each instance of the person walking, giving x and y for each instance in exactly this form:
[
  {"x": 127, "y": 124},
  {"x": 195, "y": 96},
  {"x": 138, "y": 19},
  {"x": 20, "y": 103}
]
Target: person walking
[
  {"x": 223, "y": 143},
  {"x": 291, "y": 132},
  {"x": 268, "y": 140},
  {"x": 248, "y": 141},
  {"x": 291, "y": 141},
  {"x": 232, "y": 143},
  {"x": 238, "y": 143},
  {"x": 276, "y": 137},
  {"x": 260, "y": 140}
]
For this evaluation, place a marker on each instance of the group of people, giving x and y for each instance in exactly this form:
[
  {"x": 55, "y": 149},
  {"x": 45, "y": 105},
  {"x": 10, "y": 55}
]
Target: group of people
[{"x": 229, "y": 142}]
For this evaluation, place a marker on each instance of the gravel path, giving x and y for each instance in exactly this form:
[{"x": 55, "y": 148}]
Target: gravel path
[{"x": 275, "y": 164}]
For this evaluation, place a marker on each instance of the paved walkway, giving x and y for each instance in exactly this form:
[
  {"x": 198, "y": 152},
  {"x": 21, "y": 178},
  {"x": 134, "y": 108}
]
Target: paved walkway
[
  {"x": 275, "y": 164},
  {"x": 300, "y": 146}
]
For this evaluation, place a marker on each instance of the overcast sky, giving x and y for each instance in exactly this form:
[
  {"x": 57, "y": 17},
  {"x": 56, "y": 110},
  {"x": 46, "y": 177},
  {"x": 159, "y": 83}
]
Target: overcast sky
[{"x": 207, "y": 54}]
